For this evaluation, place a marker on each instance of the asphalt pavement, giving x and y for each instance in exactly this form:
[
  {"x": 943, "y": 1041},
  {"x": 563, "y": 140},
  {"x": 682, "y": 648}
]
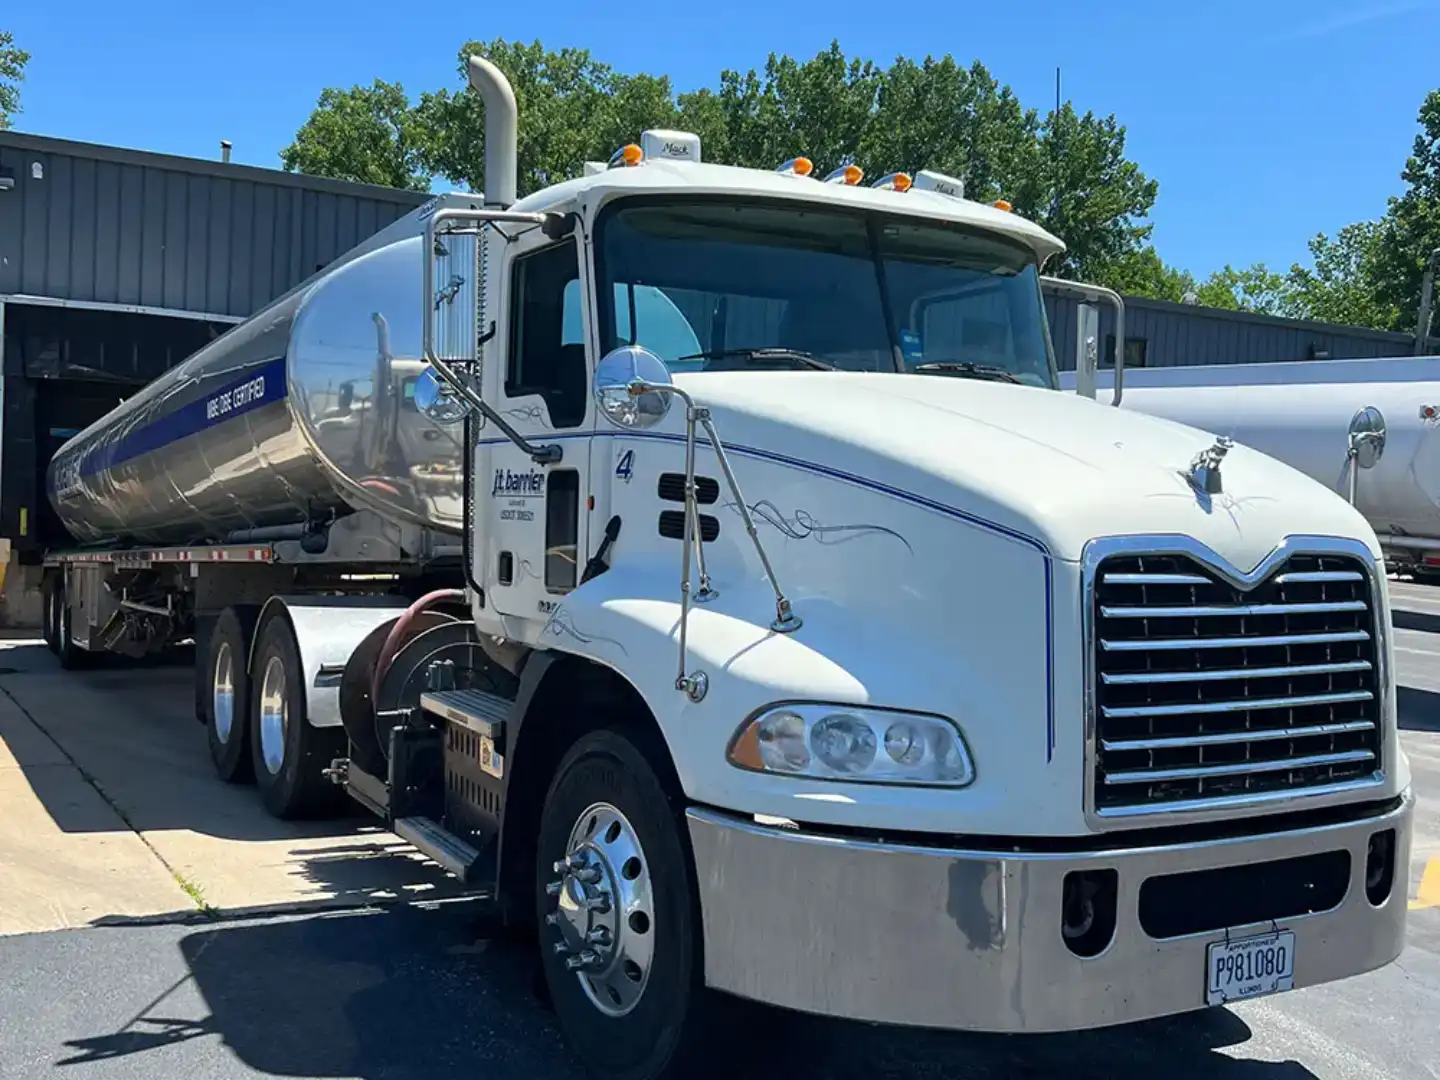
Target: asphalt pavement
[{"x": 353, "y": 986}]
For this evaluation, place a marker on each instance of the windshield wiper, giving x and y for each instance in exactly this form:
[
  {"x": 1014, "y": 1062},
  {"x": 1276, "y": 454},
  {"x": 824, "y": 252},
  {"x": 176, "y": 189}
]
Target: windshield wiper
[
  {"x": 967, "y": 369},
  {"x": 760, "y": 355}
]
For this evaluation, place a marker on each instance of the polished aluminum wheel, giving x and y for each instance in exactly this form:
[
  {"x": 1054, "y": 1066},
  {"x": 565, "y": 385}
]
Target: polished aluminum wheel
[
  {"x": 222, "y": 692},
  {"x": 273, "y": 718},
  {"x": 604, "y": 915}
]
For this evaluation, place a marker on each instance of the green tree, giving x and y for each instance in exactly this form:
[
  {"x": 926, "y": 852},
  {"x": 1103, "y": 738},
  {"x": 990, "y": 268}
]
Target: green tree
[
  {"x": 572, "y": 108},
  {"x": 12, "y": 72},
  {"x": 1344, "y": 283},
  {"x": 1144, "y": 273},
  {"x": 369, "y": 134},
  {"x": 1255, "y": 288},
  {"x": 1410, "y": 231},
  {"x": 1068, "y": 171}
]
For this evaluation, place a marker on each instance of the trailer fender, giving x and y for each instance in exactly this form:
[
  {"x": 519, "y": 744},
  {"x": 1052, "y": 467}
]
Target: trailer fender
[{"x": 327, "y": 630}]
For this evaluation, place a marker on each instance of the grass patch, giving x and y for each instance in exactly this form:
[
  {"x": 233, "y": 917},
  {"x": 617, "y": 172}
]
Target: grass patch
[{"x": 196, "y": 896}]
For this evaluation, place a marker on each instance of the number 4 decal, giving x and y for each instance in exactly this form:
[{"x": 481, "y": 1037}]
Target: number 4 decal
[{"x": 625, "y": 467}]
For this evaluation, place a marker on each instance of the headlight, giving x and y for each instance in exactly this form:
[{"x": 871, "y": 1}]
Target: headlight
[{"x": 836, "y": 742}]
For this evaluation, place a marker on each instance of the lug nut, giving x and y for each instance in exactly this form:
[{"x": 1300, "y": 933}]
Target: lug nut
[
  {"x": 553, "y": 889},
  {"x": 553, "y": 919},
  {"x": 588, "y": 958},
  {"x": 598, "y": 904},
  {"x": 588, "y": 875},
  {"x": 598, "y": 936},
  {"x": 561, "y": 949}
]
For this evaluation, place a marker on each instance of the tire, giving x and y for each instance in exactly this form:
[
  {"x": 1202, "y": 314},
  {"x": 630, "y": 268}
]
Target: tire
[
  {"x": 223, "y": 693},
  {"x": 71, "y": 656},
  {"x": 51, "y": 597},
  {"x": 662, "y": 1024},
  {"x": 288, "y": 756}
]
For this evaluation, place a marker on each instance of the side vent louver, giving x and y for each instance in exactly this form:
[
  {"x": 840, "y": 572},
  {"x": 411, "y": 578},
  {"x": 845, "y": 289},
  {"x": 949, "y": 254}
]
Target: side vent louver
[
  {"x": 672, "y": 488},
  {"x": 672, "y": 526}
]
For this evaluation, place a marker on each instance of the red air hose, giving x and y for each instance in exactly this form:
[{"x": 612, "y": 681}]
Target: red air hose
[{"x": 397, "y": 635}]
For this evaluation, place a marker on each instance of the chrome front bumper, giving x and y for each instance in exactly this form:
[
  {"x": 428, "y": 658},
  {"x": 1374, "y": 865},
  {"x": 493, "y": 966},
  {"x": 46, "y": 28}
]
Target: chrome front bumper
[{"x": 971, "y": 940}]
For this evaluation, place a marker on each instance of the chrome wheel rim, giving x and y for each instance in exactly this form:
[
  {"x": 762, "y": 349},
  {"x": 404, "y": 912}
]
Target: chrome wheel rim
[
  {"x": 222, "y": 695},
  {"x": 273, "y": 719},
  {"x": 603, "y": 925}
]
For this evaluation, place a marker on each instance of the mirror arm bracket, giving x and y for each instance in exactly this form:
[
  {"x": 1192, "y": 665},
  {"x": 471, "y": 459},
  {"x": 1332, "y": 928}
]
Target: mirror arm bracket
[{"x": 550, "y": 454}]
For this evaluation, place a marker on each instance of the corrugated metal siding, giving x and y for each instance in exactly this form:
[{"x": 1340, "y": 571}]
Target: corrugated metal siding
[
  {"x": 99, "y": 224},
  {"x": 1182, "y": 334}
]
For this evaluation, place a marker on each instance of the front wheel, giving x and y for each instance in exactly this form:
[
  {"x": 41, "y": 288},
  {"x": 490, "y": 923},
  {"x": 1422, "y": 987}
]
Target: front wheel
[{"x": 619, "y": 928}]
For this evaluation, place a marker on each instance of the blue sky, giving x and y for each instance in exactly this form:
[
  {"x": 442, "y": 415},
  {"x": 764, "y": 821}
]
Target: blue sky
[{"x": 1263, "y": 121}]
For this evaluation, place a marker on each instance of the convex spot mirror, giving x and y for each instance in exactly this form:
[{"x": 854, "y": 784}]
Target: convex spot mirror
[
  {"x": 1367, "y": 436},
  {"x": 435, "y": 399},
  {"x": 617, "y": 394}
]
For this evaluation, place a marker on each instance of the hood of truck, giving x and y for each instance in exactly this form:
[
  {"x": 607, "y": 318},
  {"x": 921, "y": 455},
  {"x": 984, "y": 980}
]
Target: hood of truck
[{"x": 1045, "y": 464}]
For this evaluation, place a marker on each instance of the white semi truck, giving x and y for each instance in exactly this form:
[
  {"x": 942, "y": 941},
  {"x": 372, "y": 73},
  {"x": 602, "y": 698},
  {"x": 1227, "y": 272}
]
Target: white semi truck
[{"x": 704, "y": 563}]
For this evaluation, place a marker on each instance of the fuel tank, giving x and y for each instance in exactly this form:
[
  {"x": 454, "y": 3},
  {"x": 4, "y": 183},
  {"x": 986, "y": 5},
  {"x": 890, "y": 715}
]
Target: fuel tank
[
  {"x": 302, "y": 412},
  {"x": 1301, "y": 414}
]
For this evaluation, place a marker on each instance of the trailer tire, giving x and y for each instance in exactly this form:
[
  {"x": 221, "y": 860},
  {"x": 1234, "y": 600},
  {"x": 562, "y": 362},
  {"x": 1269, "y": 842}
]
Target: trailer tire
[
  {"x": 71, "y": 656},
  {"x": 607, "y": 802},
  {"x": 51, "y": 597},
  {"x": 287, "y": 754},
  {"x": 223, "y": 687}
]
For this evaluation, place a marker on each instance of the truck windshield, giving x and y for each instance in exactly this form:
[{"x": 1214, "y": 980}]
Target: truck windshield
[{"x": 722, "y": 285}]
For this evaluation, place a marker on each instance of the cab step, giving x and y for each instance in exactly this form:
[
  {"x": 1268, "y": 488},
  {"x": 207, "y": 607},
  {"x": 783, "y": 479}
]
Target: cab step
[
  {"x": 483, "y": 713},
  {"x": 444, "y": 847}
]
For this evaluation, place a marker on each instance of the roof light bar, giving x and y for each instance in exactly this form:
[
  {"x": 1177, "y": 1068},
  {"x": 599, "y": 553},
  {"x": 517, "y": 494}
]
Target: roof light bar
[
  {"x": 797, "y": 166},
  {"x": 849, "y": 175},
  {"x": 895, "y": 181}
]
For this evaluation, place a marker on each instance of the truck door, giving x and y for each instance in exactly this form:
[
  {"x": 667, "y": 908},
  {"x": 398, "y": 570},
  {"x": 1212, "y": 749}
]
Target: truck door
[{"x": 533, "y": 533}]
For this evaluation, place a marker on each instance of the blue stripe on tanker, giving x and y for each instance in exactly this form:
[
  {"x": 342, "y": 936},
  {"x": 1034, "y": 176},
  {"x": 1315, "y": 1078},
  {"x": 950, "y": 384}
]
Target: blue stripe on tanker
[{"x": 261, "y": 385}]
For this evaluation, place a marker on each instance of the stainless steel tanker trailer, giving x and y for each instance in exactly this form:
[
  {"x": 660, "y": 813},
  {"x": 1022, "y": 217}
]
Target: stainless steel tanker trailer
[
  {"x": 285, "y": 467},
  {"x": 1367, "y": 429}
]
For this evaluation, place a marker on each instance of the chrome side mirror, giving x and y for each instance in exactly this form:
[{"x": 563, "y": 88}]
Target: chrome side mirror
[
  {"x": 625, "y": 383},
  {"x": 435, "y": 400},
  {"x": 1367, "y": 437}
]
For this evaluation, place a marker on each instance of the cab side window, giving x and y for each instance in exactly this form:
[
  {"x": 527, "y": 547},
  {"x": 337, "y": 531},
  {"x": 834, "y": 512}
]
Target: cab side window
[{"x": 547, "y": 353}]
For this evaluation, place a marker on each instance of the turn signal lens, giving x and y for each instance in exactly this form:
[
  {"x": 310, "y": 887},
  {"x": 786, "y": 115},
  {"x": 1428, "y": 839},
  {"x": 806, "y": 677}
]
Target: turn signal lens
[
  {"x": 828, "y": 742},
  {"x": 896, "y": 181}
]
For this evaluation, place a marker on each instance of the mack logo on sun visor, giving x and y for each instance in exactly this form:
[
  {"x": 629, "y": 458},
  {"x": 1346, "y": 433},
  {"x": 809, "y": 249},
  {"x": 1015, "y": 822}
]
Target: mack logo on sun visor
[{"x": 518, "y": 483}]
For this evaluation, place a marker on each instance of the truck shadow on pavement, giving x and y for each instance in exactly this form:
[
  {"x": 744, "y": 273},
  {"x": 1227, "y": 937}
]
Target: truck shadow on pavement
[{"x": 412, "y": 994}]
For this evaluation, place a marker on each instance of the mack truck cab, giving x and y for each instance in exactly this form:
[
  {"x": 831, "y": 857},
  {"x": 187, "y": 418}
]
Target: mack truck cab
[
  {"x": 805, "y": 644},
  {"x": 857, "y": 669}
]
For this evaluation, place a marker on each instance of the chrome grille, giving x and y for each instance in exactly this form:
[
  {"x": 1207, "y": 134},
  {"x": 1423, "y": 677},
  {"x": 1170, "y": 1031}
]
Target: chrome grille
[{"x": 1204, "y": 691}]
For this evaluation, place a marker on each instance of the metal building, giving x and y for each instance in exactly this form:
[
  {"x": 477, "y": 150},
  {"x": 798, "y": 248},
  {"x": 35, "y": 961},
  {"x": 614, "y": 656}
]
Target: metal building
[
  {"x": 117, "y": 264},
  {"x": 1163, "y": 334}
]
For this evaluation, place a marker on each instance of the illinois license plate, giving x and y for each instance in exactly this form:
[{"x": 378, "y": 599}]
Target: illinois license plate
[{"x": 1242, "y": 968}]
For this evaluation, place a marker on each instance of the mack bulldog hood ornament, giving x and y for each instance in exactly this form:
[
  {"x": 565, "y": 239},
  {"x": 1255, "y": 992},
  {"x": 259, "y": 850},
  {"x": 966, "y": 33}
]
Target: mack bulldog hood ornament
[{"x": 1204, "y": 471}]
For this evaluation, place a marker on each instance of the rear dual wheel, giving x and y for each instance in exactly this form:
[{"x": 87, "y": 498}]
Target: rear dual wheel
[
  {"x": 224, "y": 694},
  {"x": 288, "y": 755}
]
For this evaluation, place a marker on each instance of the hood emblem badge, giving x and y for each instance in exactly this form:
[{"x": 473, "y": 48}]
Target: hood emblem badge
[{"x": 1204, "y": 471}]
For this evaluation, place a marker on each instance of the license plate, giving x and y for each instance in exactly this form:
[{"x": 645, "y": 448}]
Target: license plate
[{"x": 1242, "y": 968}]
